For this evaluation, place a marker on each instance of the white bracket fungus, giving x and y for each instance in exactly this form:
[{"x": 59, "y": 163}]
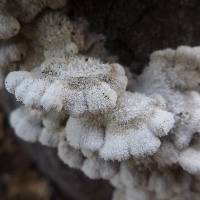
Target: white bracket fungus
[
  {"x": 35, "y": 126},
  {"x": 26, "y": 123},
  {"x": 133, "y": 128},
  {"x": 78, "y": 85},
  {"x": 11, "y": 53},
  {"x": 79, "y": 103},
  {"x": 85, "y": 133},
  {"x": 175, "y": 75},
  {"x": 9, "y": 26},
  {"x": 54, "y": 39},
  {"x": 138, "y": 122},
  {"x": 70, "y": 156},
  {"x": 96, "y": 168}
]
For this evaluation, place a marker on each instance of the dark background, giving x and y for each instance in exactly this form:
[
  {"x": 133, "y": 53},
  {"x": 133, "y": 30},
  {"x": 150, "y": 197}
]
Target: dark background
[{"x": 134, "y": 28}]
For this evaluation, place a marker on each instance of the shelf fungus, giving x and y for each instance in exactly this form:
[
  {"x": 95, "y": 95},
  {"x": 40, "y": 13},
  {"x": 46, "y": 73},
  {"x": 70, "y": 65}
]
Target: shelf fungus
[
  {"x": 175, "y": 75},
  {"x": 133, "y": 128},
  {"x": 189, "y": 160},
  {"x": 11, "y": 53},
  {"x": 96, "y": 168},
  {"x": 54, "y": 40},
  {"x": 85, "y": 133},
  {"x": 69, "y": 155},
  {"x": 26, "y": 124},
  {"x": 140, "y": 132},
  {"x": 77, "y": 85},
  {"x": 34, "y": 126},
  {"x": 9, "y": 25}
]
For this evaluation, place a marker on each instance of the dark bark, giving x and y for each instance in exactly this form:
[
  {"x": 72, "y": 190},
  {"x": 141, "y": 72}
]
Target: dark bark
[
  {"x": 71, "y": 182},
  {"x": 134, "y": 28}
]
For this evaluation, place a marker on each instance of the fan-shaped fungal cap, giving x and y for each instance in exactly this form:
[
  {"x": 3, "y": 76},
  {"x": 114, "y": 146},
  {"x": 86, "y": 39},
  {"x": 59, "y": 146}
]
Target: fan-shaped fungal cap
[
  {"x": 11, "y": 52},
  {"x": 79, "y": 85},
  {"x": 167, "y": 154},
  {"x": 116, "y": 181},
  {"x": 174, "y": 74},
  {"x": 53, "y": 129},
  {"x": 172, "y": 70},
  {"x": 50, "y": 137},
  {"x": 85, "y": 133},
  {"x": 9, "y": 26},
  {"x": 55, "y": 39},
  {"x": 26, "y": 123},
  {"x": 121, "y": 143},
  {"x": 136, "y": 124},
  {"x": 27, "y": 10},
  {"x": 187, "y": 66},
  {"x": 34, "y": 126},
  {"x": 133, "y": 181},
  {"x": 70, "y": 156},
  {"x": 96, "y": 168},
  {"x": 188, "y": 121},
  {"x": 14, "y": 79},
  {"x": 130, "y": 176},
  {"x": 132, "y": 129},
  {"x": 189, "y": 160}
]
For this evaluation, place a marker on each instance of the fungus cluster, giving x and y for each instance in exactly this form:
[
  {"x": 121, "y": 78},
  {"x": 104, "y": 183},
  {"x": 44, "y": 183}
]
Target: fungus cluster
[
  {"x": 135, "y": 132},
  {"x": 175, "y": 75}
]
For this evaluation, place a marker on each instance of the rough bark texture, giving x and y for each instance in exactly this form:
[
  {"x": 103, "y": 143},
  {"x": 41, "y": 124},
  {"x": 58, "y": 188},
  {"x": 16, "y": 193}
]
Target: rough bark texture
[
  {"x": 71, "y": 182},
  {"x": 134, "y": 28}
]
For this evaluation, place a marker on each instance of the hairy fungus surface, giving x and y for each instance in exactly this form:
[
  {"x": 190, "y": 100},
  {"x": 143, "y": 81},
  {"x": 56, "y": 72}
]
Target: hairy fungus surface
[
  {"x": 77, "y": 99},
  {"x": 189, "y": 160},
  {"x": 70, "y": 156},
  {"x": 174, "y": 74},
  {"x": 9, "y": 26},
  {"x": 133, "y": 128},
  {"x": 96, "y": 168},
  {"x": 56, "y": 38},
  {"x": 33, "y": 126},
  {"x": 26, "y": 123},
  {"x": 11, "y": 53},
  {"x": 77, "y": 85}
]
